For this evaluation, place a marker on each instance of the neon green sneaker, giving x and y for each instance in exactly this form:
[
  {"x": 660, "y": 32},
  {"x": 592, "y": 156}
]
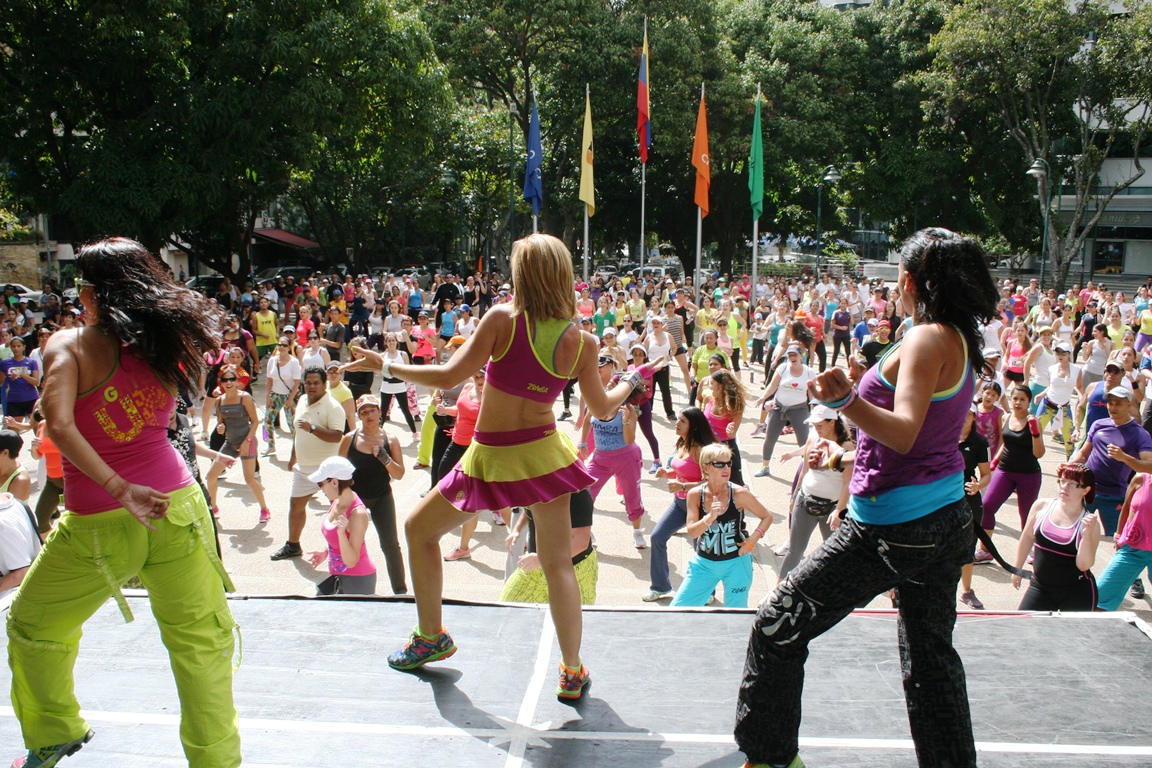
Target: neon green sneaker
[
  {"x": 46, "y": 757},
  {"x": 420, "y": 650},
  {"x": 573, "y": 682}
]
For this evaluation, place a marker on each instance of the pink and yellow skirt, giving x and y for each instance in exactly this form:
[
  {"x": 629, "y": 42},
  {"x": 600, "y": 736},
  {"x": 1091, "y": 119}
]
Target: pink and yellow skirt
[{"x": 514, "y": 469}]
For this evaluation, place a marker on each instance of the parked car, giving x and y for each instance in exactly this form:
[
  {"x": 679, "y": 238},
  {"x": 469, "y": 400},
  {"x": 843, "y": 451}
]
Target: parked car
[
  {"x": 275, "y": 273},
  {"x": 658, "y": 273},
  {"x": 26, "y": 294},
  {"x": 206, "y": 284}
]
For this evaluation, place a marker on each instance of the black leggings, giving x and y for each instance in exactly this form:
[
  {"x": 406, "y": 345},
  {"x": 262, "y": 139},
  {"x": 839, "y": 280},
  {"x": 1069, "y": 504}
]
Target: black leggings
[
  {"x": 454, "y": 453},
  {"x": 48, "y": 502},
  {"x": 821, "y": 354},
  {"x": 1080, "y": 596},
  {"x": 568, "y": 394},
  {"x": 382, "y": 510},
  {"x": 837, "y": 343},
  {"x": 402, "y": 401},
  {"x": 645, "y": 419},
  {"x": 662, "y": 379},
  {"x": 440, "y": 442}
]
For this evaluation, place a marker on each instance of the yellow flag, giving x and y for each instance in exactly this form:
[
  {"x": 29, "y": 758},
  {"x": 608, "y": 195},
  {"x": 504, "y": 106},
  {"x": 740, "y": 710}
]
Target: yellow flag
[{"x": 587, "y": 185}]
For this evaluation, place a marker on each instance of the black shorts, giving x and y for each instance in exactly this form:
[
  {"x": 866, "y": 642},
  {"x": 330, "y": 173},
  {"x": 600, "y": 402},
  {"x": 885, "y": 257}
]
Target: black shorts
[
  {"x": 680, "y": 350},
  {"x": 20, "y": 409}
]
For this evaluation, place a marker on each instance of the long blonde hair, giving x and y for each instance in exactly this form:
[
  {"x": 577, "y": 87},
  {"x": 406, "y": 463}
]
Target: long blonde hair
[{"x": 542, "y": 278}]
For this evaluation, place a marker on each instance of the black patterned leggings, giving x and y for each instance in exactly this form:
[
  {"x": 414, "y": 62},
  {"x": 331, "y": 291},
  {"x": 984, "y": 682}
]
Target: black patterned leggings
[{"x": 921, "y": 559}]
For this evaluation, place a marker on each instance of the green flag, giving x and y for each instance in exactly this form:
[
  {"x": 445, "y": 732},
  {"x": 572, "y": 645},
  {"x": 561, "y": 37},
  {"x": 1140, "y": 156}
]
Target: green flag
[{"x": 756, "y": 165}]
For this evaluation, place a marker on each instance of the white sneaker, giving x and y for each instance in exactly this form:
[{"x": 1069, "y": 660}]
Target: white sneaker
[
  {"x": 638, "y": 539},
  {"x": 781, "y": 550},
  {"x": 654, "y": 595}
]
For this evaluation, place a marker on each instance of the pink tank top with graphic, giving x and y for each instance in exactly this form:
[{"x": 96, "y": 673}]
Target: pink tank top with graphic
[
  {"x": 125, "y": 420},
  {"x": 519, "y": 372},
  {"x": 336, "y": 564},
  {"x": 1137, "y": 532}
]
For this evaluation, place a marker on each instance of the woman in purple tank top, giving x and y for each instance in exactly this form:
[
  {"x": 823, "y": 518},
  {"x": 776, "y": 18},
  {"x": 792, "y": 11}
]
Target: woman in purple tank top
[{"x": 908, "y": 527}]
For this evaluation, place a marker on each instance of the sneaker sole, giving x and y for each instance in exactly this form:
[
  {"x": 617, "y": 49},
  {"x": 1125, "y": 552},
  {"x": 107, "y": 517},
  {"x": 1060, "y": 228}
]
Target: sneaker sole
[
  {"x": 575, "y": 695},
  {"x": 68, "y": 750},
  {"x": 434, "y": 657}
]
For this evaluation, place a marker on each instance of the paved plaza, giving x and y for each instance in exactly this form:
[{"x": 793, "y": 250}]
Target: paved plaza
[{"x": 624, "y": 577}]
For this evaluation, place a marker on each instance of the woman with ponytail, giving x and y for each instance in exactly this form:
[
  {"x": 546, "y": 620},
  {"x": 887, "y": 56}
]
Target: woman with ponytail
[{"x": 908, "y": 526}]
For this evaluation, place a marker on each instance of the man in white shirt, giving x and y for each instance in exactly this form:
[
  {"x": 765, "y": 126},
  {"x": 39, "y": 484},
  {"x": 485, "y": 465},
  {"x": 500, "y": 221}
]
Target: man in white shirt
[
  {"x": 19, "y": 543},
  {"x": 319, "y": 429}
]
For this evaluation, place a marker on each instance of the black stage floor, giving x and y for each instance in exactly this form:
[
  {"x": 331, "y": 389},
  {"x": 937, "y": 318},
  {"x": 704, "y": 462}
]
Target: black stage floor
[{"x": 314, "y": 690}]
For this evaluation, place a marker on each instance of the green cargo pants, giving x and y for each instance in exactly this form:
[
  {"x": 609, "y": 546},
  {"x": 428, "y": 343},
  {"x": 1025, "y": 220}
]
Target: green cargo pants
[{"x": 83, "y": 563}]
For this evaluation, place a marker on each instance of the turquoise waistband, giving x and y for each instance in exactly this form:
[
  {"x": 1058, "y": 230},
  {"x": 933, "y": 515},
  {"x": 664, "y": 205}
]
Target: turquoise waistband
[{"x": 908, "y": 502}]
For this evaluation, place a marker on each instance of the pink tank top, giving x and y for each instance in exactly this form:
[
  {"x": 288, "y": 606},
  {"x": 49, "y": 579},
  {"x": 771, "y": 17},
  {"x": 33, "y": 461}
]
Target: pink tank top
[
  {"x": 719, "y": 424},
  {"x": 336, "y": 566},
  {"x": 1016, "y": 354},
  {"x": 125, "y": 420},
  {"x": 467, "y": 411},
  {"x": 518, "y": 371},
  {"x": 1137, "y": 532},
  {"x": 687, "y": 472}
]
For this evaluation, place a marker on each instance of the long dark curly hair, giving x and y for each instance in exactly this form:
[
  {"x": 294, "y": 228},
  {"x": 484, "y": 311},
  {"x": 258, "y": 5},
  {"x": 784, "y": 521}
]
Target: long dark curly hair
[
  {"x": 143, "y": 307},
  {"x": 953, "y": 285}
]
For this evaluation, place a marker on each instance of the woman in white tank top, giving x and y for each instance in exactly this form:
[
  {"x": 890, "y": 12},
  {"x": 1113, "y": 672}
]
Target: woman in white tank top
[{"x": 313, "y": 355}]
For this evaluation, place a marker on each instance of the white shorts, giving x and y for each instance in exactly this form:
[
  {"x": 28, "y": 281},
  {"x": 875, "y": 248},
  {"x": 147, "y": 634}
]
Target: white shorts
[{"x": 301, "y": 485}]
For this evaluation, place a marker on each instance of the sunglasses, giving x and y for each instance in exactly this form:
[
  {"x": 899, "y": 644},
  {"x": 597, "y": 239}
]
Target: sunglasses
[
  {"x": 721, "y": 464},
  {"x": 228, "y": 378},
  {"x": 282, "y": 345}
]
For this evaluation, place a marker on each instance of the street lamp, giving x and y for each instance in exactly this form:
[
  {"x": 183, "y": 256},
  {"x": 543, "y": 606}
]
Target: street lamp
[
  {"x": 1041, "y": 171},
  {"x": 831, "y": 175}
]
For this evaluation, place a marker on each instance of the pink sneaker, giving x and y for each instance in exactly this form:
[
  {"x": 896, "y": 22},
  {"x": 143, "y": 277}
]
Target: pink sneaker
[
  {"x": 459, "y": 554},
  {"x": 265, "y": 515}
]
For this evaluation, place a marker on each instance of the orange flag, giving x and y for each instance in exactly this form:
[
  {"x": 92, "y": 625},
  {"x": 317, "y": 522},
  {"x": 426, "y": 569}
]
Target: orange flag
[{"x": 700, "y": 158}]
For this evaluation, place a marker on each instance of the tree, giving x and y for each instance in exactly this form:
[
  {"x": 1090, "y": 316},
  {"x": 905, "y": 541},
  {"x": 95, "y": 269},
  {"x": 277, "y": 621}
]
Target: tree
[
  {"x": 1066, "y": 83},
  {"x": 169, "y": 120}
]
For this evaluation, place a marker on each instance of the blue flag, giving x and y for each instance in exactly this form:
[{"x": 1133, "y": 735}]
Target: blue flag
[{"x": 533, "y": 181}]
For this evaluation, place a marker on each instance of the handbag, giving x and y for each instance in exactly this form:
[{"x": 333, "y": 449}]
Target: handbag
[{"x": 330, "y": 586}]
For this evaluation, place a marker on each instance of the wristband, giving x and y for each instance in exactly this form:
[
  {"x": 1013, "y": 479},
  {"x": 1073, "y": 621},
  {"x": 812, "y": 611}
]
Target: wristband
[
  {"x": 843, "y": 402},
  {"x": 386, "y": 369},
  {"x": 762, "y": 532}
]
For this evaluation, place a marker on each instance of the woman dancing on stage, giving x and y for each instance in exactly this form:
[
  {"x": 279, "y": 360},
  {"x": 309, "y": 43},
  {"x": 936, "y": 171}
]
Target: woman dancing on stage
[
  {"x": 517, "y": 457},
  {"x": 908, "y": 527},
  {"x": 108, "y": 400}
]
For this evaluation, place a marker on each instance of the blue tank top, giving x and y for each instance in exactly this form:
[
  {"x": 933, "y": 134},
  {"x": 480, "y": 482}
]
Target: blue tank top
[{"x": 609, "y": 434}]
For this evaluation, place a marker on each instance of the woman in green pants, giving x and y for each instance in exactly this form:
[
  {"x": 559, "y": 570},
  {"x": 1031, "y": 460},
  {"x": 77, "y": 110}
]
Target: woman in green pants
[{"x": 133, "y": 508}]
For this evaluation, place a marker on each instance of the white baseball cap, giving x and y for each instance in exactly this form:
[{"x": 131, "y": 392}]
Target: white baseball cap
[{"x": 333, "y": 467}]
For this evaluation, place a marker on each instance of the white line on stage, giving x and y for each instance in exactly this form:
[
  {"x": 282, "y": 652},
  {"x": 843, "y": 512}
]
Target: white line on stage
[{"x": 544, "y": 733}]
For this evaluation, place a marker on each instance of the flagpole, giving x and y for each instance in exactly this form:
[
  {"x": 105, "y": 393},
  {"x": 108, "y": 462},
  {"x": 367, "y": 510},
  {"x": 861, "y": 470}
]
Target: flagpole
[
  {"x": 643, "y": 199},
  {"x": 755, "y": 241},
  {"x": 535, "y": 223},
  {"x": 699, "y": 233},
  {"x": 585, "y": 242}
]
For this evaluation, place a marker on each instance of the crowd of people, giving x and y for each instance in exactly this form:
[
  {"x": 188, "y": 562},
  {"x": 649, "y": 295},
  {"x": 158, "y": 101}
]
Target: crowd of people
[{"x": 930, "y": 413}]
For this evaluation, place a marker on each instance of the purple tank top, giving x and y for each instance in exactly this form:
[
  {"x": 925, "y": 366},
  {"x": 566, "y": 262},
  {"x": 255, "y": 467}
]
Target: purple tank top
[{"x": 879, "y": 469}]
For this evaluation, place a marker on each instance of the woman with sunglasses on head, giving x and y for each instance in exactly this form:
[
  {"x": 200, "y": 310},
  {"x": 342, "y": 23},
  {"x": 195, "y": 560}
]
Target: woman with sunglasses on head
[
  {"x": 819, "y": 492},
  {"x": 683, "y": 472},
  {"x": 517, "y": 456},
  {"x": 908, "y": 527},
  {"x": 237, "y": 421},
  {"x": 725, "y": 412},
  {"x": 785, "y": 400},
  {"x": 314, "y": 355},
  {"x": 350, "y": 568},
  {"x": 109, "y": 392},
  {"x": 376, "y": 459},
  {"x": 614, "y": 453},
  {"x": 716, "y": 510},
  {"x": 1064, "y": 536},
  {"x": 283, "y": 377}
]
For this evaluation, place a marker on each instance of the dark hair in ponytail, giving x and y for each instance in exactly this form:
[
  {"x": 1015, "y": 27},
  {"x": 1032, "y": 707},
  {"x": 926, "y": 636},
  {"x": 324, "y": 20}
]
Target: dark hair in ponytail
[
  {"x": 140, "y": 304},
  {"x": 953, "y": 285}
]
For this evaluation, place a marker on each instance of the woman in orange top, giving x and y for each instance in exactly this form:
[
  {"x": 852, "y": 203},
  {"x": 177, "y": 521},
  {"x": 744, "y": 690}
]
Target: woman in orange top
[{"x": 53, "y": 489}]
